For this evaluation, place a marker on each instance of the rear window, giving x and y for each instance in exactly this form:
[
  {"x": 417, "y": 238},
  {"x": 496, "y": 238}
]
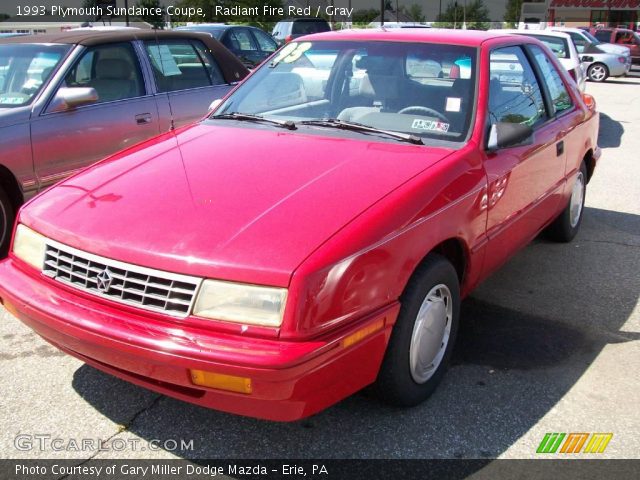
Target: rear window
[
  {"x": 306, "y": 27},
  {"x": 558, "y": 46}
]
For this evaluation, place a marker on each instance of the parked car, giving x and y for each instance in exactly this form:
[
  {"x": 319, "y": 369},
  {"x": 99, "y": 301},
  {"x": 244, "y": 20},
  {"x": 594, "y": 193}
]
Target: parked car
[
  {"x": 620, "y": 36},
  {"x": 70, "y": 99},
  {"x": 250, "y": 44},
  {"x": 296, "y": 246},
  {"x": 290, "y": 29},
  {"x": 599, "y": 60},
  {"x": 562, "y": 47}
]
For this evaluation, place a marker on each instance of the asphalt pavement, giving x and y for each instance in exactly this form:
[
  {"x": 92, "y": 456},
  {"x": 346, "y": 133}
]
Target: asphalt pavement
[{"x": 550, "y": 343}]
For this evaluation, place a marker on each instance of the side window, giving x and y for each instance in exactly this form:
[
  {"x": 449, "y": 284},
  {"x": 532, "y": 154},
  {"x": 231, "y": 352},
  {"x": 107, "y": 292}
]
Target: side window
[
  {"x": 112, "y": 70},
  {"x": 603, "y": 35},
  {"x": 624, "y": 37},
  {"x": 579, "y": 41},
  {"x": 265, "y": 41},
  {"x": 560, "y": 97},
  {"x": 240, "y": 39},
  {"x": 514, "y": 92},
  {"x": 181, "y": 65}
]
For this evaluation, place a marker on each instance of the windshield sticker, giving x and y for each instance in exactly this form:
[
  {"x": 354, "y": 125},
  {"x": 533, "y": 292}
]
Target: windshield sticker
[
  {"x": 291, "y": 53},
  {"x": 11, "y": 100},
  {"x": 453, "y": 104},
  {"x": 430, "y": 125}
]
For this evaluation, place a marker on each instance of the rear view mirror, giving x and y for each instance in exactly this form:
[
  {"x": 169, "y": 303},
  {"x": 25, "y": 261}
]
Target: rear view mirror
[
  {"x": 68, "y": 98},
  {"x": 504, "y": 134}
]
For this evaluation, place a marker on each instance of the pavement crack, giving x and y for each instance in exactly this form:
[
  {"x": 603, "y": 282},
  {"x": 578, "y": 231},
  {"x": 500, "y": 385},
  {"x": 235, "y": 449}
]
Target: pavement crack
[{"x": 121, "y": 428}]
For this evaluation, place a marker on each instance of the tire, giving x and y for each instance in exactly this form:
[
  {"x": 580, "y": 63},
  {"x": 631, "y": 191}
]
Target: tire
[
  {"x": 565, "y": 227},
  {"x": 431, "y": 298},
  {"x": 598, "y": 72},
  {"x": 6, "y": 223}
]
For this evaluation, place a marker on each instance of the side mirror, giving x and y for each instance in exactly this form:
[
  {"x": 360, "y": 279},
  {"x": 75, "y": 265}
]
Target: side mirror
[
  {"x": 504, "y": 134},
  {"x": 587, "y": 58},
  {"x": 213, "y": 105},
  {"x": 68, "y": 98}
]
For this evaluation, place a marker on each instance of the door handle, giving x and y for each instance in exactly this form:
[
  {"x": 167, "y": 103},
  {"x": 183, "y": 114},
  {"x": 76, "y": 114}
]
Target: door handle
[
  {"x": 559, "y": 148},
  {"x": 143, "y": 118}
]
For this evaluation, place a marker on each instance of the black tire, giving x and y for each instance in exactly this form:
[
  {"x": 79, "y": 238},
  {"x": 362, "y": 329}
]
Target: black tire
[
  {"x": 395, "y": 383},
  {"x": 598, "y": 72},
  {"x": 563, "y": 229},
  {"x": 6, "y": 223}
]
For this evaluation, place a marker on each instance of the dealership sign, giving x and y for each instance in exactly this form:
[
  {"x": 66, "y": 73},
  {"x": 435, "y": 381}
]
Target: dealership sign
[{"x": 597, "y": 4}]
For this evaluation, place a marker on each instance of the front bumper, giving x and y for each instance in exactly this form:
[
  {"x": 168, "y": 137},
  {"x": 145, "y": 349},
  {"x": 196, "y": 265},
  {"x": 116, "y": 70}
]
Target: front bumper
[{"x": 290, "y": 380}]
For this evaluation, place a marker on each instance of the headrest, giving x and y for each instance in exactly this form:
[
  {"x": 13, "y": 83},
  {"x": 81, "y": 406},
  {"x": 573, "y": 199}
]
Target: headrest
[
  {"x": 376, "y": 64},
  {"x": 112, "y": 68}
]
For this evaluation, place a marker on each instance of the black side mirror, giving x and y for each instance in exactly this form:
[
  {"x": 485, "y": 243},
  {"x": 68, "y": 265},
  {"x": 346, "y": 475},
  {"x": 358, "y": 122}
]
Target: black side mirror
[{"x": 504, "y": 134}]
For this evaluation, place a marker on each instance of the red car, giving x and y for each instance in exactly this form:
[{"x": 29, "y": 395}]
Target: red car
[{"x": 316, "y": 233}]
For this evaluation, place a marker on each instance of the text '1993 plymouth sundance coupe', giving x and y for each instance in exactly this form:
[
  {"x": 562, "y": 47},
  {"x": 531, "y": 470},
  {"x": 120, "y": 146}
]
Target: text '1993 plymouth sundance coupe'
[{"x": 315, "y": 234}]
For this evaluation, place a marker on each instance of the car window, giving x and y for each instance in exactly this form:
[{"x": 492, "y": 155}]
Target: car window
[
  {"x": 182, "y": 64},
  {"x": 624, "y": 37},
  {"x": 579, "y": 41},
  {"x": 306, "y": 27},
  {"x": 24, "y": 69},
  {"x": 267, "y": 44},
  {"x": 112, "y": 70},
  {"x": 557, "y": 45},
  {"x": 514, "y": 92},
  {"x": 603, "y": 35},
  {"x": 560, "y": 97},
  {"x": 240, "y": 39}
]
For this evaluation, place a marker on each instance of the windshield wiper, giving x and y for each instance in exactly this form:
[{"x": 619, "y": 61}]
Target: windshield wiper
[
  {"x": 359, "y": 127},
  {"x": 288, "y": 124}
]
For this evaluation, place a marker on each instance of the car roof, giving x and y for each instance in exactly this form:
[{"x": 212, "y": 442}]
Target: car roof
[
  {"x": 428, "y": 35},
  {"x": 534, "y": 33},
  {"x": 303, "y": 19},
  {"x": 87, "y": 38}
]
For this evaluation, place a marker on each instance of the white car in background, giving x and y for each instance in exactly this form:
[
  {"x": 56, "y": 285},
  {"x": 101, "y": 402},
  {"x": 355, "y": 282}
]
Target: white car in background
[
  {"x": 581, "y": 37},
  {"x": 563, "y": 48}
]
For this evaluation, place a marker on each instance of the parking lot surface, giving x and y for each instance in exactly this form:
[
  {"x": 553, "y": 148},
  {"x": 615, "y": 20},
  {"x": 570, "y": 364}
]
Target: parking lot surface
[{"x": 550, "y": 343}]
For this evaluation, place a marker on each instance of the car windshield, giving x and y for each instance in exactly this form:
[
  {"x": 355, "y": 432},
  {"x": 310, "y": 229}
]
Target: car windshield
[
  {"x": 423, "y": 90},
  {"x": 591, "y": 38},
  {"x": 24, "y": 68},
  {"x": 306, "y": 27}
]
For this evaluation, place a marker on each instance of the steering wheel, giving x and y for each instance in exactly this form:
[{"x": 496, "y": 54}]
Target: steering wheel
[{"x": 424, "y": 110}]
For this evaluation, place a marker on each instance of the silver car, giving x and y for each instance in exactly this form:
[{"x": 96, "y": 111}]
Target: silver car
[{"x": 70, "y": 99}]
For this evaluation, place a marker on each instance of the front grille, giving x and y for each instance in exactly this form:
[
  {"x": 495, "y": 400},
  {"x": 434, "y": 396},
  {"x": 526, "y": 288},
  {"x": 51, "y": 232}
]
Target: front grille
[{"x": 142, "y": 287}]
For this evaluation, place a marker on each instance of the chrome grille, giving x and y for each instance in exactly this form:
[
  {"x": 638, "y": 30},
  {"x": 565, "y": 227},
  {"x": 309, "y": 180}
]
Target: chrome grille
[{"x": 142, "y": 287}]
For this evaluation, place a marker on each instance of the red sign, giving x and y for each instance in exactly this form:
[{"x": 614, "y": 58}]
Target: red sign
[{"x": 597, "y": 4}]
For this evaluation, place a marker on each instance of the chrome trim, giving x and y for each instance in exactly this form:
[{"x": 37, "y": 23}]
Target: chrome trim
[{"x": 62, "y": 260}]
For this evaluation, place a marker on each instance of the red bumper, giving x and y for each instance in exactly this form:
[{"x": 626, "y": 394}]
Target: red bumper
[{"x": 290, "y": 380}]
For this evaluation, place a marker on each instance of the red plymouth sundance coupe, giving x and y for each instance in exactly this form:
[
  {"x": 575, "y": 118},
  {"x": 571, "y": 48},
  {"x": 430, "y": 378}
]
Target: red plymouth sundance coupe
[{"x": 315, "y": 234}]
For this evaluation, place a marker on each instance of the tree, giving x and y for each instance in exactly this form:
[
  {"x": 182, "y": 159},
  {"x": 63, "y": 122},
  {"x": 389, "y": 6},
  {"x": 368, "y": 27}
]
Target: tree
[
  {"x": 474, "y": 13},
  {"x": 156, "y": 20},
  {"x": 415, "y": 12},
  {"x": 512, "y": 13}
]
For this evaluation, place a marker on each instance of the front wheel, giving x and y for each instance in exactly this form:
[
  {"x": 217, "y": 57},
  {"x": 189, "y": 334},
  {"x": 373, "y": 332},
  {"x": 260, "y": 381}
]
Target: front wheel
[
  {"x": 566, "y": 226},
  {"x": 598, "y": 72},
  {"x": 6, "y": 222},
  {"x": 423, "y": 337}
]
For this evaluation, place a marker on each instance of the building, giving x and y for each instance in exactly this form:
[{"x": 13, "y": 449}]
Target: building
[{"x": 610, "y": 13}]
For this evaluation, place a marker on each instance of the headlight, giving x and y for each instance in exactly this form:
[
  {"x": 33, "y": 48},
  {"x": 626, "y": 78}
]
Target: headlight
[
  {"x": 237, "y": 302},
  {"x": 29, "y": 246}
]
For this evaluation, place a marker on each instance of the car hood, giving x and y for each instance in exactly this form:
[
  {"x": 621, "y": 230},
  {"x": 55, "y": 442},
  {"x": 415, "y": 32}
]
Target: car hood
[{"x": 245, "y": 204}]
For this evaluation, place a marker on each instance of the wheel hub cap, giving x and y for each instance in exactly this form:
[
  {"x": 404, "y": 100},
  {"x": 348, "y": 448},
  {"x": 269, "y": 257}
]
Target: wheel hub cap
[
  {"x": 430, "y": 333},
  {"x": 577, "y": 196}
]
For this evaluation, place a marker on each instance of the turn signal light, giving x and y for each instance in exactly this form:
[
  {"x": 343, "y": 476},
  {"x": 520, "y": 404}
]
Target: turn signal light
[
  {"x": 589, "y": 101},
  {"x": 362, "y": 333},
  {"x": 221, "y": 381}
]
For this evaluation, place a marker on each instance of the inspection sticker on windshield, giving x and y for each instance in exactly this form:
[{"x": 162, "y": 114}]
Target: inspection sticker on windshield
[
  {"x": 430, "y": 125},
  {"x": 453, "y": 104}
]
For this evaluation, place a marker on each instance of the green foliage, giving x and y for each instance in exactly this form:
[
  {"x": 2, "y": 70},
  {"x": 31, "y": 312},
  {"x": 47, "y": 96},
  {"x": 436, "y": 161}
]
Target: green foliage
[
  {"x": 415, "y": 12},
  {"x": 364, "y": 16},
  {"x": 475, "y": 14},
  {"x": 512, "y": 13},
  {"x": 156, "y": 20}
]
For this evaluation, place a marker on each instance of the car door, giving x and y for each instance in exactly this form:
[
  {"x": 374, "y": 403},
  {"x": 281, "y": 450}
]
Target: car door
[
  {"x": 65, "y": 140},
  {"x": 187, "y": 77},
  {"x": 525, "y": 180}
]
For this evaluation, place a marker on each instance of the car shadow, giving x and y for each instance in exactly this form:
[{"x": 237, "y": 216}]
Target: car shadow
[
  {"x": 527, "y": 336},
  {"x": 610, "y": 133}
]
